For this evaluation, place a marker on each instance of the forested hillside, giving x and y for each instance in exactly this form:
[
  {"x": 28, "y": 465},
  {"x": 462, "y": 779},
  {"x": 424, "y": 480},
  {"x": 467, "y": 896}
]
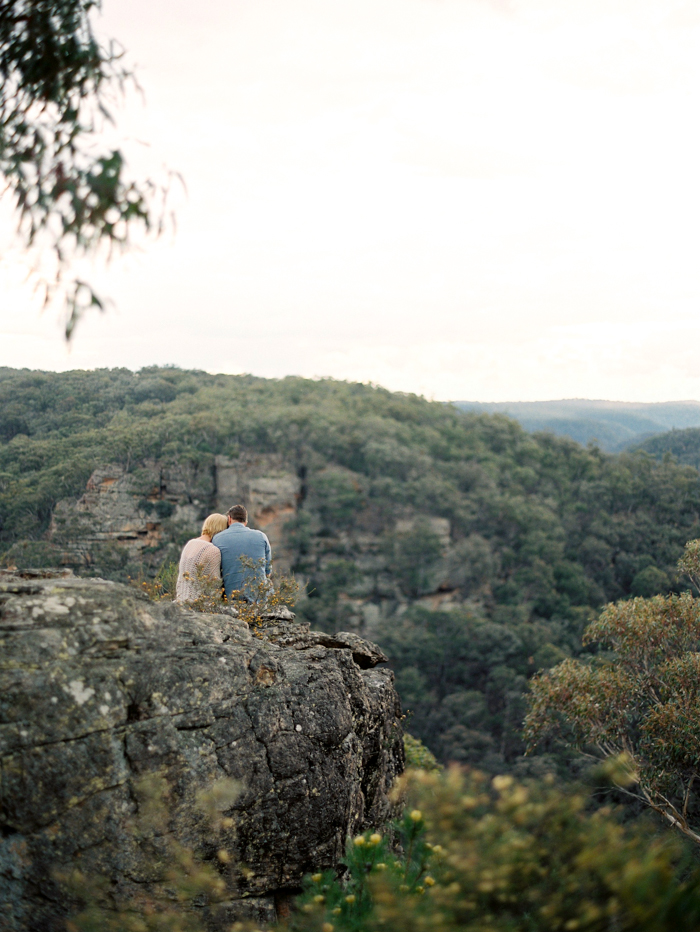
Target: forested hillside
[
  {"x": 682, "y": 445},
  {"x": 535, "y": 532}
]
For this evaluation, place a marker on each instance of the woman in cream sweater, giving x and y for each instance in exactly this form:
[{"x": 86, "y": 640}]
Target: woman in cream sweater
[{"x": 199, "y": 559}]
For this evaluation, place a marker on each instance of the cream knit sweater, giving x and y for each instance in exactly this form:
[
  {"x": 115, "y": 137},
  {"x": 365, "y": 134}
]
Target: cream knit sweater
[{"x": 196, "y": 553}]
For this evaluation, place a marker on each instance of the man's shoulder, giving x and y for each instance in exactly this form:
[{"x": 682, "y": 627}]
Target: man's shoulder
[
  {"x": 234, "y": 531},
  {"x": 220, "y": 536},
  {"x": 253, "y": 530}
]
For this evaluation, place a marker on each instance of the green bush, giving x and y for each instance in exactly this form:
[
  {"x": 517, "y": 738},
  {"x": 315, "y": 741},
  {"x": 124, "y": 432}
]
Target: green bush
[
  {"x": 417, "y": 754},
  {"x": 499, "y": 856},
  {"x": 400, "y": 857}
]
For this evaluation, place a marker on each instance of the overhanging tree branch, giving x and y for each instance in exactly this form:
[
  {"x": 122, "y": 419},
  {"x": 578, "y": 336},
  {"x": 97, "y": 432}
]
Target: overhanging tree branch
[{"x": 58, "y": 85}]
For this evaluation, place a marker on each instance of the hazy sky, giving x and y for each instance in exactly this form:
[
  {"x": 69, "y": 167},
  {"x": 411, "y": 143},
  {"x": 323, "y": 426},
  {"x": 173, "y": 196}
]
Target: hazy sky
[{"x": 467, "y": 199}]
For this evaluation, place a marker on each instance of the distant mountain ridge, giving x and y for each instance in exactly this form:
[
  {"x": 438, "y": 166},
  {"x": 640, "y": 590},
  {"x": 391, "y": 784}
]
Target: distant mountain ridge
[{"x": 614, "y": 425}]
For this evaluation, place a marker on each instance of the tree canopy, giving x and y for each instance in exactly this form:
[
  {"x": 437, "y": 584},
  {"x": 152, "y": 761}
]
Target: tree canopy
[{"x": 638, "y": 697}]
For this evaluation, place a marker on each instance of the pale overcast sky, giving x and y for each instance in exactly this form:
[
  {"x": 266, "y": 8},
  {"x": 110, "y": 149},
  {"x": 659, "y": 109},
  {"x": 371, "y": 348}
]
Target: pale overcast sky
[{"x": 462, "y": 198}]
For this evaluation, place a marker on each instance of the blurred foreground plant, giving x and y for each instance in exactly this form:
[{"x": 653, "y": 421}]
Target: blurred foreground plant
[
  {"x": 181, "y": 876},
  {"x": 399, "y": 856},
  {"x": 507, "y": 857},
  {"x": 469, "y": 853},
  {"x": 418, "y": 755}
]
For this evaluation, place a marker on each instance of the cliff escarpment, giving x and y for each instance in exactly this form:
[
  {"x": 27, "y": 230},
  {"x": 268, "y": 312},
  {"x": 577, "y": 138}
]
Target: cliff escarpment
[
  {"x": 100, "y": 687},
  {"x": 129, "y": 522}
]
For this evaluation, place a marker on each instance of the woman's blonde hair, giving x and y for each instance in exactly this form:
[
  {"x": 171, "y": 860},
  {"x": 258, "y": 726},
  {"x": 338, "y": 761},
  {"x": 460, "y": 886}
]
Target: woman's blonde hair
[{"x": 214, "y": 523}]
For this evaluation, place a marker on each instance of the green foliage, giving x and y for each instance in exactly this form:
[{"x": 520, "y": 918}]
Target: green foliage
[
  {"x": 414, "y": 559},
  {"x": 338, "y": 498},
  {"x": 180, "y": 876},
  {"x": 57, "y": 88},
  {"x": 681, "y": 445},
  {"x": 417, "y": 754},
  {"x": 504, "y": 856},
  {"x": 29, "y": 554},
  {"x": 468, "y": 853},
  {"x": 689, "y": 563},
  {"x": 649, "y": 581},
  {"x": 639, "y": 697},
  {"x": 461, "y": 679},
  {"x": 399, "y": 857},
  {"x": 528, "y": 856}
]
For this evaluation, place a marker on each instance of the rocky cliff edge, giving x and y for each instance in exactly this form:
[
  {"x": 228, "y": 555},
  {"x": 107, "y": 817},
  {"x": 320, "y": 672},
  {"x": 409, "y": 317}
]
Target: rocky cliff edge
[{"x": 100, "y": 687}]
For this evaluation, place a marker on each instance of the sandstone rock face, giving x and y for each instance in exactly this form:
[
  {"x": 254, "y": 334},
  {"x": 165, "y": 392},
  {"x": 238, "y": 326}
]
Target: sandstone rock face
[
  {"x": 99, "y": 687},
  {"x": 130, "y": 512},
  {"x": 130, "y": 522},
  {"x": 124, "y": 516}
]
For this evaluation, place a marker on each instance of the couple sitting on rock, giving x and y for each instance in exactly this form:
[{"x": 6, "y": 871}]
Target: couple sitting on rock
[{"x": 226, "y": 548}]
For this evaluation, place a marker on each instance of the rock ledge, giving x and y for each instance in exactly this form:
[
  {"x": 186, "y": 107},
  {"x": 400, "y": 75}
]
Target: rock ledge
[{"x": 99, "y": 687}]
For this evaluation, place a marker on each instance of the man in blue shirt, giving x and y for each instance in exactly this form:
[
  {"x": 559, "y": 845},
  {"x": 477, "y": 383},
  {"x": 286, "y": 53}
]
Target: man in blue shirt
[{"x": 238, "y": 540}]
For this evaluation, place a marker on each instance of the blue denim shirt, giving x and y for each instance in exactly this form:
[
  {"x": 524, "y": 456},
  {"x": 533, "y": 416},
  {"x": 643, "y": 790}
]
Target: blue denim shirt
[{"x": 240, "y": 541}]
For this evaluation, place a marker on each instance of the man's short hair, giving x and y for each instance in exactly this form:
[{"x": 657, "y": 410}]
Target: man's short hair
[{"x": 238, "y": 513}]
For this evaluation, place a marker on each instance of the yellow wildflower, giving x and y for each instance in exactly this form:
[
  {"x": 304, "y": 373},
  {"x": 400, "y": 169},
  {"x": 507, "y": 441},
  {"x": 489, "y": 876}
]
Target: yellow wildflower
[{"x": 502, "y": 782}]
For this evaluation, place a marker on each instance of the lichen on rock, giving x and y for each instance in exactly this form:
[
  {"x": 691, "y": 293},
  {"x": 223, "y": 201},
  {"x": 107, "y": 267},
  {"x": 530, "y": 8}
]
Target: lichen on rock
[{"x": 100, "y": 687}]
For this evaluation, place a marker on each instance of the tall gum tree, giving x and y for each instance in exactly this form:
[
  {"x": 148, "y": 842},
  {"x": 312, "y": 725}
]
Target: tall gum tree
[{"x": 637, "y": 699}]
